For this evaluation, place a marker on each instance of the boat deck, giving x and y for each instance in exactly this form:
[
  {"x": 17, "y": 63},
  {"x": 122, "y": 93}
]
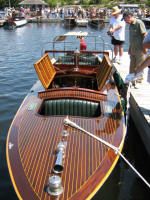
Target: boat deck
[
  {"x": 42, "y": 148},
  {"x": 139, "y": 102},
  {"x": 86, "y": 153}
]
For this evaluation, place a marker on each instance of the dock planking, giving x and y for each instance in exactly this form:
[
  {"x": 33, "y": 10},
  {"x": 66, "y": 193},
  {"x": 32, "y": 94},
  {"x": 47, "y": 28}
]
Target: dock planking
[{"x": 139, "y": 101}]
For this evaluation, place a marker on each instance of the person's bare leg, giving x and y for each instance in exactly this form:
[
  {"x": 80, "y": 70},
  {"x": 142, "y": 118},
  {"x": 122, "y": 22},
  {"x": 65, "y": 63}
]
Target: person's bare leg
[
  {"x": 115, "y": 50},
  {"x": 120, "y": 51}
]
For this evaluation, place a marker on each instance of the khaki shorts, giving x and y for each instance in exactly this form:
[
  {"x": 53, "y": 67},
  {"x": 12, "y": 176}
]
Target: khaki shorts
[{"x": 136, "y": 60}]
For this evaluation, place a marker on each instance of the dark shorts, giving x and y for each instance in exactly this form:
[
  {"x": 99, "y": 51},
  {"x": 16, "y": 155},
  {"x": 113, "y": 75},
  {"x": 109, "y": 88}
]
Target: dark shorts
[{"x": 116, "y": 42}]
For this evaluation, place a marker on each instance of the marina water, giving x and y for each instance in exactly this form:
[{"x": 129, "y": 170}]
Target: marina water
[{"x": 19, "y": 50}]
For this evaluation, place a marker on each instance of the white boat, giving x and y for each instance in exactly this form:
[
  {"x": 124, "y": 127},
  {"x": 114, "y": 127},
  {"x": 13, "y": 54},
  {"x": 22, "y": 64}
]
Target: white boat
[
  {"x": 81, "y": 22},
  {"x": 20, "y": 22},
  {"x": 14, "y": 23},
  {"x": 2, "y": 18}
]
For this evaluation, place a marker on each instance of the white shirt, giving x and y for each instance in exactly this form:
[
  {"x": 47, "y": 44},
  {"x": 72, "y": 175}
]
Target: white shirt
[{"x": 120, "y": 33}]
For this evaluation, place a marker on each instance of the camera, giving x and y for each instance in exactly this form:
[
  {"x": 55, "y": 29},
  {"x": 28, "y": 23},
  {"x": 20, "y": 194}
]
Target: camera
[{"x": 109, "y": 33}]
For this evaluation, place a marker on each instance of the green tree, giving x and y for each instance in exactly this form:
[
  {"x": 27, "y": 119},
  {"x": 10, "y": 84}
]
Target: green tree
[
  {"x": 2, "y": 3},
  {"x": 12, "y": 3},
  {"x": 69, "y": 2},
  {"x": 148, "y": 2}
]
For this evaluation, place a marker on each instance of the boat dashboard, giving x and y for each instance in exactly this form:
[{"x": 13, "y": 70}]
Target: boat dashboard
[{"x": 67, "y": 80}]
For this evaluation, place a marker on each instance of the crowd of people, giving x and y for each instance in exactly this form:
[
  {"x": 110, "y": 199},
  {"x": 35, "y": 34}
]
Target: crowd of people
[{"x": 58, "y": 12}]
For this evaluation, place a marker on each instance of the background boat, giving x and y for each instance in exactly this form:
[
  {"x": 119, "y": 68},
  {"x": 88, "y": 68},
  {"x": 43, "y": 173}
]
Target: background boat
[
  {"x": 81, "y": 22},
  {"x": 96, "y": 22},
  {"x": 2, "y": 18},
  {"x": 12, "y": 23}
]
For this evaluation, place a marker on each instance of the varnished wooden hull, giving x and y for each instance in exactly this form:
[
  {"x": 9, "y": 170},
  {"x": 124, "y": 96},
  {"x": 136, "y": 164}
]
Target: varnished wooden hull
[
  {"x": 73, "y": 87},
  {"x": 32, "y": 140}
]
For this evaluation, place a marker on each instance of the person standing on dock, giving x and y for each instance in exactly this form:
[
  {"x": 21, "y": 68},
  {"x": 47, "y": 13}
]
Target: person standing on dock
[
  {"x": 117, "y": 32},
  {"x": 146, "y": 62},
  {"x": 137, "y": 32}
]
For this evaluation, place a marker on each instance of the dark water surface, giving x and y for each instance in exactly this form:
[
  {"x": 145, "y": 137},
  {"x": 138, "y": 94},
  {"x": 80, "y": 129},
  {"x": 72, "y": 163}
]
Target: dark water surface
[{"x": 19, "y": 50}]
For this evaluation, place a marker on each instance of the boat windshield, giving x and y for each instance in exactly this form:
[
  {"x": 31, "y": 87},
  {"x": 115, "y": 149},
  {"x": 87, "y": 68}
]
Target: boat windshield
[{"x": 71, "y": 41}]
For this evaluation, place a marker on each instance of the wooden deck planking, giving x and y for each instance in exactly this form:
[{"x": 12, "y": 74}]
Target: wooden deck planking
[
  {"x": 139, "y": 101},
  {"x": 36, "y": 152}
]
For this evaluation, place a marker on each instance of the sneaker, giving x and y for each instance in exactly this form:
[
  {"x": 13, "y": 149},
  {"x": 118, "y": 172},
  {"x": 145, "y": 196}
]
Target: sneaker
[
  {"x": 114, "y": 60},
  {"x": 120, "y": 60},
  {"x": 137, "y": 85}
]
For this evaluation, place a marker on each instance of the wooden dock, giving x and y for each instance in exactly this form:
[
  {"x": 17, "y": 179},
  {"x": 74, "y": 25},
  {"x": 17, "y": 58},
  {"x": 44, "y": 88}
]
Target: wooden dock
[
  {"x": 139, "y": 101},
  {"x": 44, "y": 20}
]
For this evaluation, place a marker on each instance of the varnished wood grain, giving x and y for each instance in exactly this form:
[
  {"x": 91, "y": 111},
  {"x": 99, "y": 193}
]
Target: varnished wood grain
[{"x": 35, "y": 140}]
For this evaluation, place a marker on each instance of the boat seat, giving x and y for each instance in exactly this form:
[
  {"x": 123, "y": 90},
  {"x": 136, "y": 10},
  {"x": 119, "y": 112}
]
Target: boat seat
[
  {"x": 88, "y": 60},
  {"x": 73, "y": 107}
]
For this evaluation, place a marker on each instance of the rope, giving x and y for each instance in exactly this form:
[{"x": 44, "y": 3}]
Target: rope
[{"x": 116, "y": 149}]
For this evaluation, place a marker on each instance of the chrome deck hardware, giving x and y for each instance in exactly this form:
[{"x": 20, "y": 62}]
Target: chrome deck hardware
[
  {"x": 65, "y": 133},
  {"x": 55, "y": 187},
  {"x": 58, "y": 167}
]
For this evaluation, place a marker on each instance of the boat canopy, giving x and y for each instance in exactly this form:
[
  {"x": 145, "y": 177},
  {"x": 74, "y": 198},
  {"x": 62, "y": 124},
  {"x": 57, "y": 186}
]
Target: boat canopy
[{"x": 77, "y": 34}]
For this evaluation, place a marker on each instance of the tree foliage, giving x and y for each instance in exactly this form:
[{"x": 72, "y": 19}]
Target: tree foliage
[
  {"x": 7, "y": 3},
  {"x": 2, "y": 3},
  {"x": 53, "y": 3},
  {"x": 148, "y": 2}
]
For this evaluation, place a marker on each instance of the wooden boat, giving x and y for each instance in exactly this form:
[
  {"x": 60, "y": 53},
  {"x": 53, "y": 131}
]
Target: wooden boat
[
  {"x": 12, "y": 23},
  {"x": 48, "y": 158}
]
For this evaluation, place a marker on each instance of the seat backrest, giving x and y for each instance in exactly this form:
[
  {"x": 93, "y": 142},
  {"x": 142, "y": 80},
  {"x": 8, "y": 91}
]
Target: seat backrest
[
  {"x": 104, "y": 71},
  {"x": 45, "y": 70},
  {"x": 73, "y": 107}
]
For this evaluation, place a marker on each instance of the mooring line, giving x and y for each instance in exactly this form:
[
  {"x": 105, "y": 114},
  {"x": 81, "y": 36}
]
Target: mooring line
[{"x": 116, "y": 149}]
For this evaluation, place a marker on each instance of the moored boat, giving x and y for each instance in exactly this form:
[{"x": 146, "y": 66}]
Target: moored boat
[
  {"x": 146, "y": 21},
  {"x": 96, "y": 22},
  {"x": 69, "y": 21},
  {"x": 12, "y": 23},
  {"x": 2, "y": 21},
  {"x": 81, "y": 22},
  {"x": 48, "y": 156},
  {"x": 2, "y": 18}
]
